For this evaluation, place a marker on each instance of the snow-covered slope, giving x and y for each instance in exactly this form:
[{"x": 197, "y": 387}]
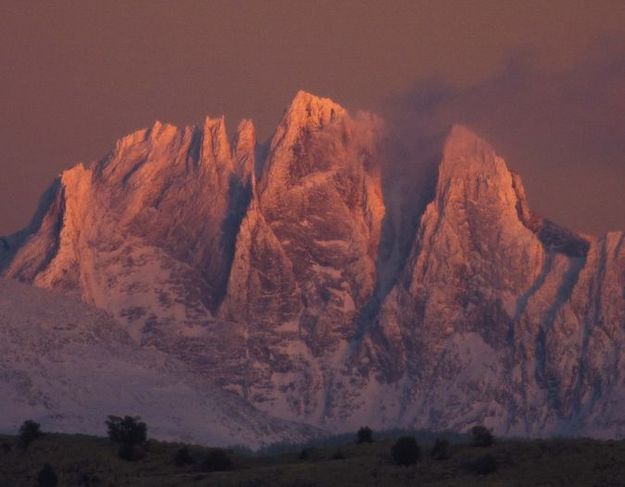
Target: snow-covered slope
[
  {"x": 68, "y": 365},
  {"x": 267, "y": 278}
]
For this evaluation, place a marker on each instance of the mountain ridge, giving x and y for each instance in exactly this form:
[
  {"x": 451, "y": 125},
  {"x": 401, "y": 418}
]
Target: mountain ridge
[{"x": 266, "y": 275}]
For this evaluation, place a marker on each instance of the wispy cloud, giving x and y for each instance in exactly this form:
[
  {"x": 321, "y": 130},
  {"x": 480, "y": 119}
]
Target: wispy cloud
[{"x": 563, "y": 130}]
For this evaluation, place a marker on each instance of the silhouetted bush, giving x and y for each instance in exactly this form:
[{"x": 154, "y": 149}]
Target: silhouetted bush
[
  {"x": 183, "y": 457},
  {"x": 29, "y": 432},
  {"x": 481, "y": 436},
  {"x": 127, "y": 430},
  {"x": 130, "y": 433},
  {"x": 484, "y": 465},
  {"x": 304, "y": 454},
  {"x": 7, "y": 447},
  {"x": 405, "y": 451},
  {"x": 364, "y": 435},
  {"x": 440, "y": 450},
  {"x": 47, "y": 477},
  {"x": 338, "y": 455},
  {"x": 217, "y": 461}
]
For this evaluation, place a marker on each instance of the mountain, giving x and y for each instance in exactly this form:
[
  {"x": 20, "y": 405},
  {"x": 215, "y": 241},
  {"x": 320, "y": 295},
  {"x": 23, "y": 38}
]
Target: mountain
[
  {"x": 502, "y": 317},
  {"x": 137, "y": 211},
  {"x": 69, "y": 366},
  {"x": 272, "y": 271},
  {"x": 305, "y": 259}
]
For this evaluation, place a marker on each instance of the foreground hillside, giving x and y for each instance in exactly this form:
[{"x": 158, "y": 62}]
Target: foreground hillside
[{"x": 90, "y": 461}]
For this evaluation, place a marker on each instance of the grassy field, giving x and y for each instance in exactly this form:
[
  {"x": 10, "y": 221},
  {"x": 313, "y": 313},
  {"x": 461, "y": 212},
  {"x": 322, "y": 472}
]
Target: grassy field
[{"x": 91, "y": 461}]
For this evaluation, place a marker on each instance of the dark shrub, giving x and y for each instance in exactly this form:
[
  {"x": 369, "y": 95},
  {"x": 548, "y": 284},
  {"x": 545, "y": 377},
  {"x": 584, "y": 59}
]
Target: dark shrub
[
  {"x": 29, "y": 432},
  {"x": 440, "y": 450},
  {"x": 481, "y": 436},
  {"x": 127, "y": 430},
  {"x": 338, "y": 455},
  {"x": 484, "y": 465},
  {"x": 130, "y": 433},
  {"x": 7, "y": 447},
  {"x": 364, "y": 435},
  {"x": 405, "y": 451},
  {"x": 304, "y": 454},
  {"x": 183, "y": 457},
  {"x": 217, "y": 461},
  {"x": 47, "y": 477}
]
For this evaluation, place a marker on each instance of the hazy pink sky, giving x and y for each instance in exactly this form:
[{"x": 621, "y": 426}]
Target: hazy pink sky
[{"x": 78, "y": 75}]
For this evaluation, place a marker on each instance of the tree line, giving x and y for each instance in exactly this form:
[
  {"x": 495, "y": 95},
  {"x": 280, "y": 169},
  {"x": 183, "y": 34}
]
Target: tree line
[{"x": 130, "y": 434}]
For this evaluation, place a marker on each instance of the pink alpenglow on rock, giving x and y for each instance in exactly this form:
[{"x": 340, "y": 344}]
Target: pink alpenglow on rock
[{"x": 263, "y": 269}]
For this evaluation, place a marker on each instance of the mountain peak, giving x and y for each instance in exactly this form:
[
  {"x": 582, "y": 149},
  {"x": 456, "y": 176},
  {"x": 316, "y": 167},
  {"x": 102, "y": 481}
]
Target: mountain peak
[
  {"x": 303, "y": 97},
  {"x": 215, "y": 127},
  {"x": 218, "y": 123},
  {"x": 464, "y": 143},
  {"x": 466, "y": 154},
  {"x": 161, "y": 130},
  {"x": 216, "y": 145},
  {"x": 308, "y": 109},
  {"x": 244, "y": 147}
]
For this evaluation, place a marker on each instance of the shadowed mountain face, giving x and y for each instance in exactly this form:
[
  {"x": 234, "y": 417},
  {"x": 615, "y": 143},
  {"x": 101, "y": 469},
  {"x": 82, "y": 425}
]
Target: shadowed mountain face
[{"x": 280, "y": 279}]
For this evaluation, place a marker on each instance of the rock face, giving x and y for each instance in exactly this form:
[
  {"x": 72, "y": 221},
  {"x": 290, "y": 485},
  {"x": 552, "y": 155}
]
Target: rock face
[
  {"x": 265, "y": 277},
  {"x": 305, "y": 261},
  {"x": 501, "y": 317},
  {"x": 148, "y": 232}
]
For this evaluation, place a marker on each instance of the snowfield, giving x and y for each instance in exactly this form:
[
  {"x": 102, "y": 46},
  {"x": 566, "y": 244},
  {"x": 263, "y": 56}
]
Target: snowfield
[{"x": 68, "y": 366}]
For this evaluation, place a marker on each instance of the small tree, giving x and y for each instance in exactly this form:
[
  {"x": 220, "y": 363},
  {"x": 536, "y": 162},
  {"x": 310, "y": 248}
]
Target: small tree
[
  {"x": 129, "y": 430},
  {"x": 130, "y": 433},
  {"x": 406, "y": 451},
  {"x": 47, "y": 477},
  {"x": 183, "y": 457},
  {"x": 217, "y": 461},
  {"x": 29, "y": 432},
  {"x": 481, "y": 436},
  {"x": 364, "y": 435},
  {"x": 440, "y": 450}
]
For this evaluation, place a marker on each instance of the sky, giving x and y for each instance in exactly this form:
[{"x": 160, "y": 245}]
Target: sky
[{"x": 543, "y": 81}]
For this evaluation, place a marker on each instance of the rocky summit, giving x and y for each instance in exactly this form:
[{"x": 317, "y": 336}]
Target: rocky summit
[{"x": 264, "y": 268}]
